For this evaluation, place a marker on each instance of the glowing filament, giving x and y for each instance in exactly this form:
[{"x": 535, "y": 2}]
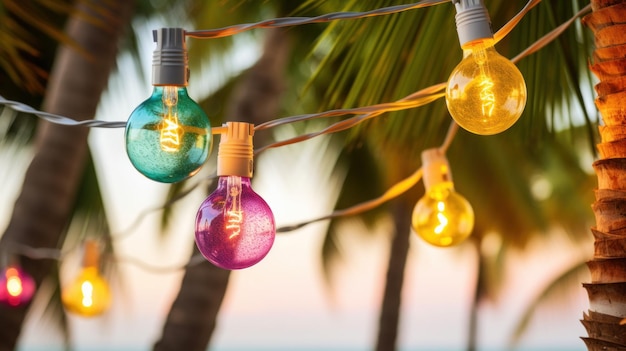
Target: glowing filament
[
  {"x": 443, "y": 220},
  {"x": 234, "y": 215},
  {"x": 171, "y": 131},
  {"x": 233, "y": 223},
  {"x": 87, "y": 290},
  {"x": 14, "y": 283},
  {"x": 487, "y": 97}
]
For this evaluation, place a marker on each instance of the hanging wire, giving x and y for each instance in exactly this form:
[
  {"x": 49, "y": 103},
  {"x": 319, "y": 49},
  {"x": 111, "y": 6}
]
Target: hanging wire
[
  {"x": 193, "y": 261},
  {"x": 295, "y": 21},
  {"x": 58, "y": 119},
  {"x": 548, "y": 38},
  {"x": 130, "y": 229},
  {"x": 375, "y": 110},
  {"x": 414, "y": 100}
]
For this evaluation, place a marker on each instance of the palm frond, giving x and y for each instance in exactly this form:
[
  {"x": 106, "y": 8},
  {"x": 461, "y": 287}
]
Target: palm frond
[{"x": 552, "y": 291}]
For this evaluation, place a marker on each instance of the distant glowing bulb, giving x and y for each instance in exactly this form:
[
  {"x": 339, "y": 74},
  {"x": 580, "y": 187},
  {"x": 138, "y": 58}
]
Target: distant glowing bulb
[
  {"x": 442, "y": 217},
  {"x": 16, "y": 286},
  {"x": 89, "y": 294},
  {"x": 235, "y": 227},
  {"x": 486, "y": 93},
  {"x": 168, "y": 136}
]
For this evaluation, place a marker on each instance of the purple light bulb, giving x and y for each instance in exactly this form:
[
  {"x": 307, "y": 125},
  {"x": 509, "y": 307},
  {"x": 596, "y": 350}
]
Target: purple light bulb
[
  {"x": 16, "y": 286},
  {"x": 235, "y": 227}
]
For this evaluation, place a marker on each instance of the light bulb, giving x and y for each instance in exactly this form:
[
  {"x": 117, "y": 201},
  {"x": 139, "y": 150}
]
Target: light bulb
[
  {"x": 168, "y": 136},
  {"x": 441, "y": 217},
  {"x": 235, "y": 227},
  {"x": 16, "y": 286},
  {"x": 486, "y": 93},
  {"x": 89, "y": 294}
]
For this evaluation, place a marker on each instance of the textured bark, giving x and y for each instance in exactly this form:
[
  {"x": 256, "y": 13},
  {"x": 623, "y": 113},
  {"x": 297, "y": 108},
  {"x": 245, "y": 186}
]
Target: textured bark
[
  {"x": 193, "y": 315},
  {"x": 607, "y": 290},
  {"x": 44, "y": 206},
  {"x": 389, "y": 319}
]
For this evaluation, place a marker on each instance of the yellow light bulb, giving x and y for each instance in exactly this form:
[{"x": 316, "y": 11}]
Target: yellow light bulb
[
  {"x": 486, "y": 93},
  {"x": 89, "y": 295},
  {"x": 442, "y": 217}
]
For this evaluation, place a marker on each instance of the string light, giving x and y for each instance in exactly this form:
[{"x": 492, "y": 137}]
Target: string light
[
  {"x": 16, "y": 286},
  {"x": 442, "y": 217},
  {"x": 168, "y": 136},
  {"x": 235, "y": 227},
  {"x": 367, "y": 111},
  {"x": 89, "y": 294},
  {"x": 486, "y": 93}
]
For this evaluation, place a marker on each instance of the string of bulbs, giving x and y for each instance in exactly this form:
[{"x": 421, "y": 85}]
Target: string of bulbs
[{"x": 235, "y": 227}]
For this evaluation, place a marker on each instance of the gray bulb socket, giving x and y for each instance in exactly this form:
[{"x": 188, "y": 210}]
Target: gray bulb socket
[
  {"x": 235, "y": 155},
  {"x": 436, "y": 169},
  {"x": 472, "y": 21},
  {"x": 170, "y": 63}
]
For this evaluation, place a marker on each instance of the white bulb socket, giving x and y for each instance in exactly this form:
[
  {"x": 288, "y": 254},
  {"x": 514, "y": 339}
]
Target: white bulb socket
[
  {"x": 170, "y": 63},
  {"x": 472, "y": 21},
  {"x": 435, "y": 167},
  {"x": 235, "y": 155}
]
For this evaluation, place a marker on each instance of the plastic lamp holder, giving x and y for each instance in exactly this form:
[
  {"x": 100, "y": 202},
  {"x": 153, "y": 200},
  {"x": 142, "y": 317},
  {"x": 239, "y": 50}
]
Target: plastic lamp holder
[
  {"x": 472, "y": 21},
  {"x": 91, "y": 254},
  {"x": 170, "y": 63},
  {"x": 235, "y": 153},
  {"x": 436, "y": 168}
]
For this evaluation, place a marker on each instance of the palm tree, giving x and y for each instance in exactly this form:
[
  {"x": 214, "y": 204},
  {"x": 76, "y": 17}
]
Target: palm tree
[
  {"x": 52, "y": 180},
  {"x": 607, "y": 290}
]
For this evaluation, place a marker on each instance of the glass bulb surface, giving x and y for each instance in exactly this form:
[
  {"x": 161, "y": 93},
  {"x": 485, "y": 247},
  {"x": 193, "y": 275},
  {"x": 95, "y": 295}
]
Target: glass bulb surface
[
  {"x": 89, "y": 295},
  {"x": 486, "y": 93},
  {"x": 235, "y": 227},
  {"x": 168, "y": 136},
  {"x": 16, "y": 286},
  {"x": 443, "y": 217}
]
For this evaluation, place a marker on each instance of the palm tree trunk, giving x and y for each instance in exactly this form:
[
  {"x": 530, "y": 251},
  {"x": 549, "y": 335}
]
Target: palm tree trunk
[
  {"x": 479, "y": 294},
  {"x": 607, "y": 290},
  {"x": 193, "y": 315},
  {"x": 44, "y": 206},
  {"x": 389, "y": 319}
]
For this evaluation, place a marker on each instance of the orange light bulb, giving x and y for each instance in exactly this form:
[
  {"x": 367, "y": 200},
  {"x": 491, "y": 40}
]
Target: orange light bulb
[{"x": 89, "y": 294}]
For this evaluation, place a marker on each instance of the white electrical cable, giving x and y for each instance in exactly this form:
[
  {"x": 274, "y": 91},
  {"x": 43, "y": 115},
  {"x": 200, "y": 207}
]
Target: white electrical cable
[
  {"x": 58, "y": 119},
  {"x": 295, "y": 21}
]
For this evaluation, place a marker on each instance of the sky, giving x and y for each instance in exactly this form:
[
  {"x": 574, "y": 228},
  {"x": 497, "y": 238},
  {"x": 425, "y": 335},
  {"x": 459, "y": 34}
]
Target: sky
[{"x": 283, "y": 302}]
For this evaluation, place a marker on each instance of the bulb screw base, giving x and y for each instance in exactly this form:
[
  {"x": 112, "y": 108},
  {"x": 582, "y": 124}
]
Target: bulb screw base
[
  {"x": 436, "y": 169},
  {"x": 472, "y": 21},
  {"x": 235, "y": 153},
  {"x": 170, "y": 63},
  {"x": 91, "y": 254}
]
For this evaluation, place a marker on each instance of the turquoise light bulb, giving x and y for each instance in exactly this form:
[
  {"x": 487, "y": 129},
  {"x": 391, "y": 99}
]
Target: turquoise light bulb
[{"x": 168, "y": 136}]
